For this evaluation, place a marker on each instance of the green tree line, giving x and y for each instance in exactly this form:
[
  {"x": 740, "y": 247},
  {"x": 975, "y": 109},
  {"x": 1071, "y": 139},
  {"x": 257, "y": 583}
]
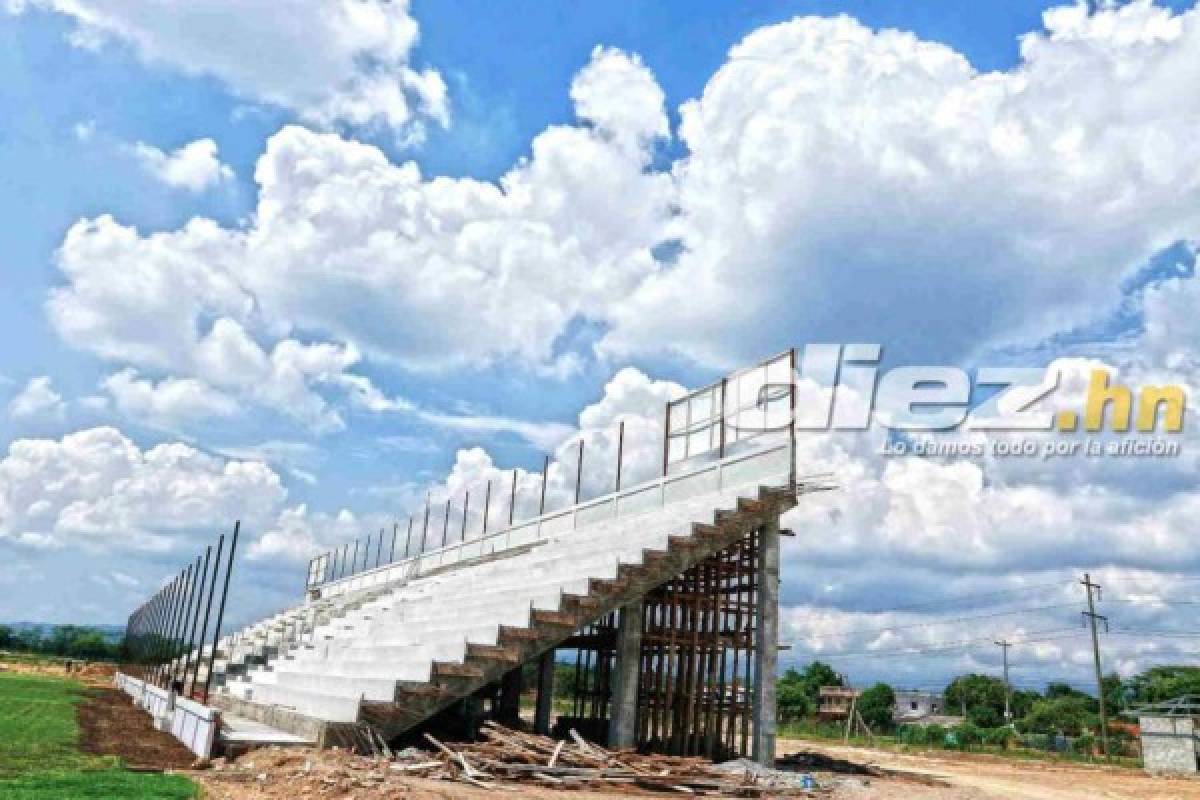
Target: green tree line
[{"x": 68, "y": 641}]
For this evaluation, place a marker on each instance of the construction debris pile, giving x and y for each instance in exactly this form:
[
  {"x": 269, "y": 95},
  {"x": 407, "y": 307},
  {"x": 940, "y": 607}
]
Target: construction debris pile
[
  {"x": 512, "y": 756},
  {"x": 504, "y": 762}
]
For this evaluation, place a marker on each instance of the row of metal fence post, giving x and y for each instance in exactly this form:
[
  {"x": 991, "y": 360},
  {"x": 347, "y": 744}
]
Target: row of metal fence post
[
  {"x": 334, "y": 565},
  {"x": 165, "y": 636},
  {"x": 350, "y": 566}
]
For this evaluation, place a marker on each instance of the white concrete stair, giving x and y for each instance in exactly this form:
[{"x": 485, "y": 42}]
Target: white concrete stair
[{"x": 397, "y": 654}]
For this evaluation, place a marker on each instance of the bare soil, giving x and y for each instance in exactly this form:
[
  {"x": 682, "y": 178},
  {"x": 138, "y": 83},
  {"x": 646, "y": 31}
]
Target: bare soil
[
  {"x": 110, "y": 725},
  {"x": 969, "y": 776}
]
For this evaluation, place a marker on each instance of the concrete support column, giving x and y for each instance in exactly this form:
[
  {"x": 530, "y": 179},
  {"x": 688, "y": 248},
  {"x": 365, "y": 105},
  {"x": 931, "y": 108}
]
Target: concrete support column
[
  {"x": 622, "y": 730},
  {"x": 509, "y": 711},
  {"x": 545, "y": 693},
  {"x": 766, "y": 657}
]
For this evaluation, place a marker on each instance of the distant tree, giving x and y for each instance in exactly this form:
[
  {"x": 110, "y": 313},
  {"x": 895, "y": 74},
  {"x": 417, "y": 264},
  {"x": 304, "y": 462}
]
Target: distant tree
[
  {"x": 7, "y": 637},
  {"x": 1069, "y": 714},
  {"x": 1056, "y": 689},
  {"x": 1163, "y": 683},
  {"x": 968, "y": 734},
  {"x": 1022, "y": 701},
  {"x": 876, "y": 706},
  {"x": 792, "y": 697},
  {"x": 981, "y": 695}
]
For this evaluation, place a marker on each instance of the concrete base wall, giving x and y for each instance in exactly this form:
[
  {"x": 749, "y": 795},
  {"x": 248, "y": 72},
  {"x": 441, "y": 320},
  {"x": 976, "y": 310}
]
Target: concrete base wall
[
  {"x": 1169, "y": 744},
  {"x": 192, "y": 723}
]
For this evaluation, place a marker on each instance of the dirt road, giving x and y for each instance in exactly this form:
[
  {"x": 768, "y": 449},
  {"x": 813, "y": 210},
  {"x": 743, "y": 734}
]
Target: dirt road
[{"x": 984, "y": 777}]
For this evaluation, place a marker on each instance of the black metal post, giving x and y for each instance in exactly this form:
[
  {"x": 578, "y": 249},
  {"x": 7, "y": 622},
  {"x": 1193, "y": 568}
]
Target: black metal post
[
  {"x": 425, "y": 526},
  {"x": 462, "y": 535},
  {"x": 721, "y": 448},
  {"x": 395, "y": 530},
  {"x": 169, "y": 623},
  {"x": 379, "y": 549},
  {"x": 221, "y": 610},
  {"x": 620, "y": 451},
  {"x": 545, "y": 474},
  {"x": 579, "y": 472},
  {"x": 666, "y": 437},
  {"x": 212, "y": 588},
  {"x": 446, "y": 523},
  {"x": 487, "y": 504},
  {"x": 512, "y": 500},
  {"x": 345, "y": 552},
  {"x": 196, "y": 620},
  {"x": 354, "y": 559},
  {"x": 152, "y": 632},
  {"x": 408, "y": 536},
  {"x": 187, "y": 623}
]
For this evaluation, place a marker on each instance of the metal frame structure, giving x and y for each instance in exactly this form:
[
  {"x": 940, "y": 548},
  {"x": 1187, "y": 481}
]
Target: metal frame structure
[
  {"x": 696, "y": 676},
  {"x": 164, "y": 637}
]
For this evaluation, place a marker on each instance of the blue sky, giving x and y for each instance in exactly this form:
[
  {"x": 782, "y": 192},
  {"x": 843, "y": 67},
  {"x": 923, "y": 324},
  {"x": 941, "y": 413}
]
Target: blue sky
[{"x": 665, "y": 203}]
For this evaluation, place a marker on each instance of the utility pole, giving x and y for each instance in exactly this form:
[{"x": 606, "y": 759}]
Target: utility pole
[
  {"x": 1004, "y": 644},
  {"x": 1091, "y": 616}
]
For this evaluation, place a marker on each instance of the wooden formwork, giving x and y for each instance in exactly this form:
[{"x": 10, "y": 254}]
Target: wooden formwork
[{"x": 696, "y": 676}]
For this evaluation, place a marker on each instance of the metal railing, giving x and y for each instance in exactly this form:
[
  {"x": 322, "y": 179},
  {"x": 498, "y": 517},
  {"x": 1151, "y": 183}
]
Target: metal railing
[{"x": 748, "y": 414}]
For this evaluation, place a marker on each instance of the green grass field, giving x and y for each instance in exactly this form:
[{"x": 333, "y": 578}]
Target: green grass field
[{"x": 40, "y": 757}]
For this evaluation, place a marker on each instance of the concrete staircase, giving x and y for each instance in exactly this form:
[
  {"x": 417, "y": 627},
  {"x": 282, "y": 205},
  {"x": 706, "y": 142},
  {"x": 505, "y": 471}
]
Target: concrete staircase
[{"x": 394, "y": 655}]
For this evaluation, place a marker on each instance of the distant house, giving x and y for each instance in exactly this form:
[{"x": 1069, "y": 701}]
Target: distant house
[
  {"x": 922, "y": 708},
  {"x": 833, "y": 702}
]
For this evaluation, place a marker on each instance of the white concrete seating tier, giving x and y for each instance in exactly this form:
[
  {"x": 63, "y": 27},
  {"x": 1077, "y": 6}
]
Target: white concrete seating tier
[{"x": 360, "y": 646}]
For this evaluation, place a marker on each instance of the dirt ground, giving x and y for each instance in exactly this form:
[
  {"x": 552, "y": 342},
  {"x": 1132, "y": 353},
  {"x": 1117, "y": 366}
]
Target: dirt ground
[
  {"x": 965, "y": 776},
  {"x": 111, "y": 725},
  {"x": 89, "y": 673}
]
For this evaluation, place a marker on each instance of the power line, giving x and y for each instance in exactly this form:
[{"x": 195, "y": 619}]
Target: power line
[
  {"x": 952, "y": 646},
  {"x": 1023, "y": 590},
  {"x": 934, "y": 623}
]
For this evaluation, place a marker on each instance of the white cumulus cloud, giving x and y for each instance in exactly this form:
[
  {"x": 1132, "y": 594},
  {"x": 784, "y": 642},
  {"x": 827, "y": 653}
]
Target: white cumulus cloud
[
  {"x": 37, "y": 399},
  {"x": 344, "y": 61},
  {"x": 194, "y": 166}
]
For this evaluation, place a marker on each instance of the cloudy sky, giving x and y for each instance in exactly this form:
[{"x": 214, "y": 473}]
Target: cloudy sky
[{"x": 303, "y": 263}]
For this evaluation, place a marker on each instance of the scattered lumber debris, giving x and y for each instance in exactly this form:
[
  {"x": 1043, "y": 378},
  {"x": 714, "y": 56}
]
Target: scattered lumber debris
[{"x": 508, "y": 756}]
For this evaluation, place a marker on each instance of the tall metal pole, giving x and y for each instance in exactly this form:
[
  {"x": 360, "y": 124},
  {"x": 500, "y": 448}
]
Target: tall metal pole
[
  {"x": 164, "y": 614},
  {"x": 1004, "y": 644},
  {"x": 545, "y": 473},
  {"x": 345, "y": 552},
  {"x": 446, "y": 523},
  {"x": 462, "y": 536},
  {"x": 666, "y": 437},
  {"x": 170, "y": 621},
  {"x": 212, "y": 587},
  {"x": 579, "y": 472},
  {"x": 620, "y": 451},
  {"x": 187, "y": 623},
  {"x": 408, "y": 538},
  {"x": 487, "y": 504},
  {"x": 196, "y": 619},
  {"x": 721, "y": 427},
  {"x": 354, "y": 558},
  {"x": 1092, "y": 616},
  {"x": 379, "y": 548},
  {"x": 425, "y": 525},
  {"x": 792, "y": 424},
  {"x": 395, "y": 530},
  {"x": 221, "y": 610},
  {"x": 512, "y": 500}
]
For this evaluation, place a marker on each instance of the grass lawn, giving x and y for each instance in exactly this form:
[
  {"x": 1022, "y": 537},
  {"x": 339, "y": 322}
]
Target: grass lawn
[{"x": 39, "y": 749}]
